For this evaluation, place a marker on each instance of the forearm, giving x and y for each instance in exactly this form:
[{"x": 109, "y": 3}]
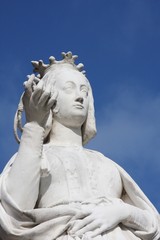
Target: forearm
[
  {"x": 23, "y": 180},
  {"x": 138, "y": 219}
]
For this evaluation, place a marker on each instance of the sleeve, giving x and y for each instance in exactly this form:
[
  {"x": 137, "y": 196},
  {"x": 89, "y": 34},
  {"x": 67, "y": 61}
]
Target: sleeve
[
  {"x": 24, "y": 174},
  {"x": 134, "y": 196}
]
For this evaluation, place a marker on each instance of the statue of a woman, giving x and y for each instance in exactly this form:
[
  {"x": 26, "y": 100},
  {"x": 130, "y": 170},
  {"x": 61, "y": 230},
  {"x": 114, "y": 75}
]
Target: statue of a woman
[{"x": 54, "y": 188}]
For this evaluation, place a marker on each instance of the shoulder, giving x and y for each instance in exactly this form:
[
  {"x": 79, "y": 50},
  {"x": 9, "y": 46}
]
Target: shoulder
[
  {"x": 101, "y": 157},
  {"x": 99, "y": 154}
]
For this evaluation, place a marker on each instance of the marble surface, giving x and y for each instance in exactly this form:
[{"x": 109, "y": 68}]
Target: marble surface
[{"x": 55, "y": 188}]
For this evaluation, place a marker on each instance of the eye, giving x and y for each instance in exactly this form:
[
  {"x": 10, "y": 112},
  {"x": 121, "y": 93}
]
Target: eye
[
  {"x": 69, "y": 87},
  {"x": 84, "y": 89}
]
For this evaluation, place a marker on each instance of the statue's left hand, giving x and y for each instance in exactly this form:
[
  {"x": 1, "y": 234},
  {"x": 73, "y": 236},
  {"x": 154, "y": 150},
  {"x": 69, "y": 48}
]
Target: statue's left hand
[{"x": 98, "y": 220}]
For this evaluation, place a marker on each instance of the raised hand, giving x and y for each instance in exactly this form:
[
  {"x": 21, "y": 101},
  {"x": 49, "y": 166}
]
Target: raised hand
[
  {"x": 29, "y": 86},
  {"x": 38, "y": 100}
]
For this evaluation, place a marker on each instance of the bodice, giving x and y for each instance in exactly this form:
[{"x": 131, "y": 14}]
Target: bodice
[{"x": 77, "y": 175}]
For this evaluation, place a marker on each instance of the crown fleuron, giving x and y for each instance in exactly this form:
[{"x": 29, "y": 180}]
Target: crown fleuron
[{"x": 41, "y": 68}]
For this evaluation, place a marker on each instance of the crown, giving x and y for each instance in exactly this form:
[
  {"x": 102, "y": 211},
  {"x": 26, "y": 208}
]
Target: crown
[{"x": 41, "y": 68}]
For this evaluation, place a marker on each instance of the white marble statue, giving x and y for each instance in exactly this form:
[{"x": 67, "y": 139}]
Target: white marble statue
[{"x": 53, "y": 187}]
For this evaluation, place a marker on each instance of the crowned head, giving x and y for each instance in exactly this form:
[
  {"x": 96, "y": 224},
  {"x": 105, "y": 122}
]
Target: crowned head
[
  {"x": 57, "y": 73},
  {"x": 52, "y": 72}
]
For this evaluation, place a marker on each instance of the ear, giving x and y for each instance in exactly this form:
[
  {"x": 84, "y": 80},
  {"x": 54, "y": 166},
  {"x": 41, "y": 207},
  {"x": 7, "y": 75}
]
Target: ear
[{"x": 55, "y": 110}]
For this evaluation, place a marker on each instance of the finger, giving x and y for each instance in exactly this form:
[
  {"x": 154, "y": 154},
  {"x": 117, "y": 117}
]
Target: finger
[
  {"x": 30, "y": 78},
  {"x": 44, "y": 98},
  {"x": 28, "y": 84},
  {"x": 90, "y": 227},
  {"x": 36, "y": 80},
  {"x": 79, "y": 224},
  {"x": 46, "y": 95},
  {"x": 98, "y": 231},
  {"x": 54, "y": 93},
  {"x": 82, "y": 214},
  {"x": 29, "y": 81},
  {"x": 53, "y": 99},
  {"x": 37, "y": 92},
  {"x": 51, "y": 103}
]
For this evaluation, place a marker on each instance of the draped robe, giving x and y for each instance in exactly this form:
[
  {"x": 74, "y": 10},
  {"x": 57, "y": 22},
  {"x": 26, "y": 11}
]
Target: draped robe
[{"x": 77, "y": 179}]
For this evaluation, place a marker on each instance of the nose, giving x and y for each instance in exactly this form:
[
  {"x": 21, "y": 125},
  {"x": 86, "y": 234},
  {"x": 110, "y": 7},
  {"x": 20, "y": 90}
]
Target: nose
[{"x": 79, "y": 99}]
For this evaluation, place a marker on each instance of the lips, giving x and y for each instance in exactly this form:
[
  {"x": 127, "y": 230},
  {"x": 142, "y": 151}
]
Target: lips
[{"x": 80, "y": 106}]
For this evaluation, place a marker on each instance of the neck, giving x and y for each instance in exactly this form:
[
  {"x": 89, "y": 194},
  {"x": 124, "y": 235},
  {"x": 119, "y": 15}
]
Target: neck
[{"x": 65, "y": 136}]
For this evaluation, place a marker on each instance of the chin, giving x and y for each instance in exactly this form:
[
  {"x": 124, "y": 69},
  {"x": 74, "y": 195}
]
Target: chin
[{"x": 76, "y": 121}]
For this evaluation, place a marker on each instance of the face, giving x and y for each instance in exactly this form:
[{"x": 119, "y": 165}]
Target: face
[{"x": 72, "y": 101}]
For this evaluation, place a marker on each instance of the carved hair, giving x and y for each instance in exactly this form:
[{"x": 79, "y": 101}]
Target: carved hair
[{"x": 48, "y": 74}]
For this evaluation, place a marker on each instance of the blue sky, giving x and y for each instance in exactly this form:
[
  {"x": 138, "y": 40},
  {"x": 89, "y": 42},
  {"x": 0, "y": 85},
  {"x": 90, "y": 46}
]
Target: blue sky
[{"x": 119, "y": 44}]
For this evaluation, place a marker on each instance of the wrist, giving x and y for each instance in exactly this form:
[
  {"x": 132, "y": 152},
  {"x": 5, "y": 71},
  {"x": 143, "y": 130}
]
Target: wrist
[
  {"x": 35, "y": 125},
  {"x": 125, "y": 211},
  {"x": 34, "y": 132}
]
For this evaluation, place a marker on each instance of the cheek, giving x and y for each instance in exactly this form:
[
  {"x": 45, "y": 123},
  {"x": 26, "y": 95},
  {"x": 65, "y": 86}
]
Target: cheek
[
  {"x": 62, "y": 100},
  {"x": 87, "y": 103},
  {"x": 63, "y": 104}
]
